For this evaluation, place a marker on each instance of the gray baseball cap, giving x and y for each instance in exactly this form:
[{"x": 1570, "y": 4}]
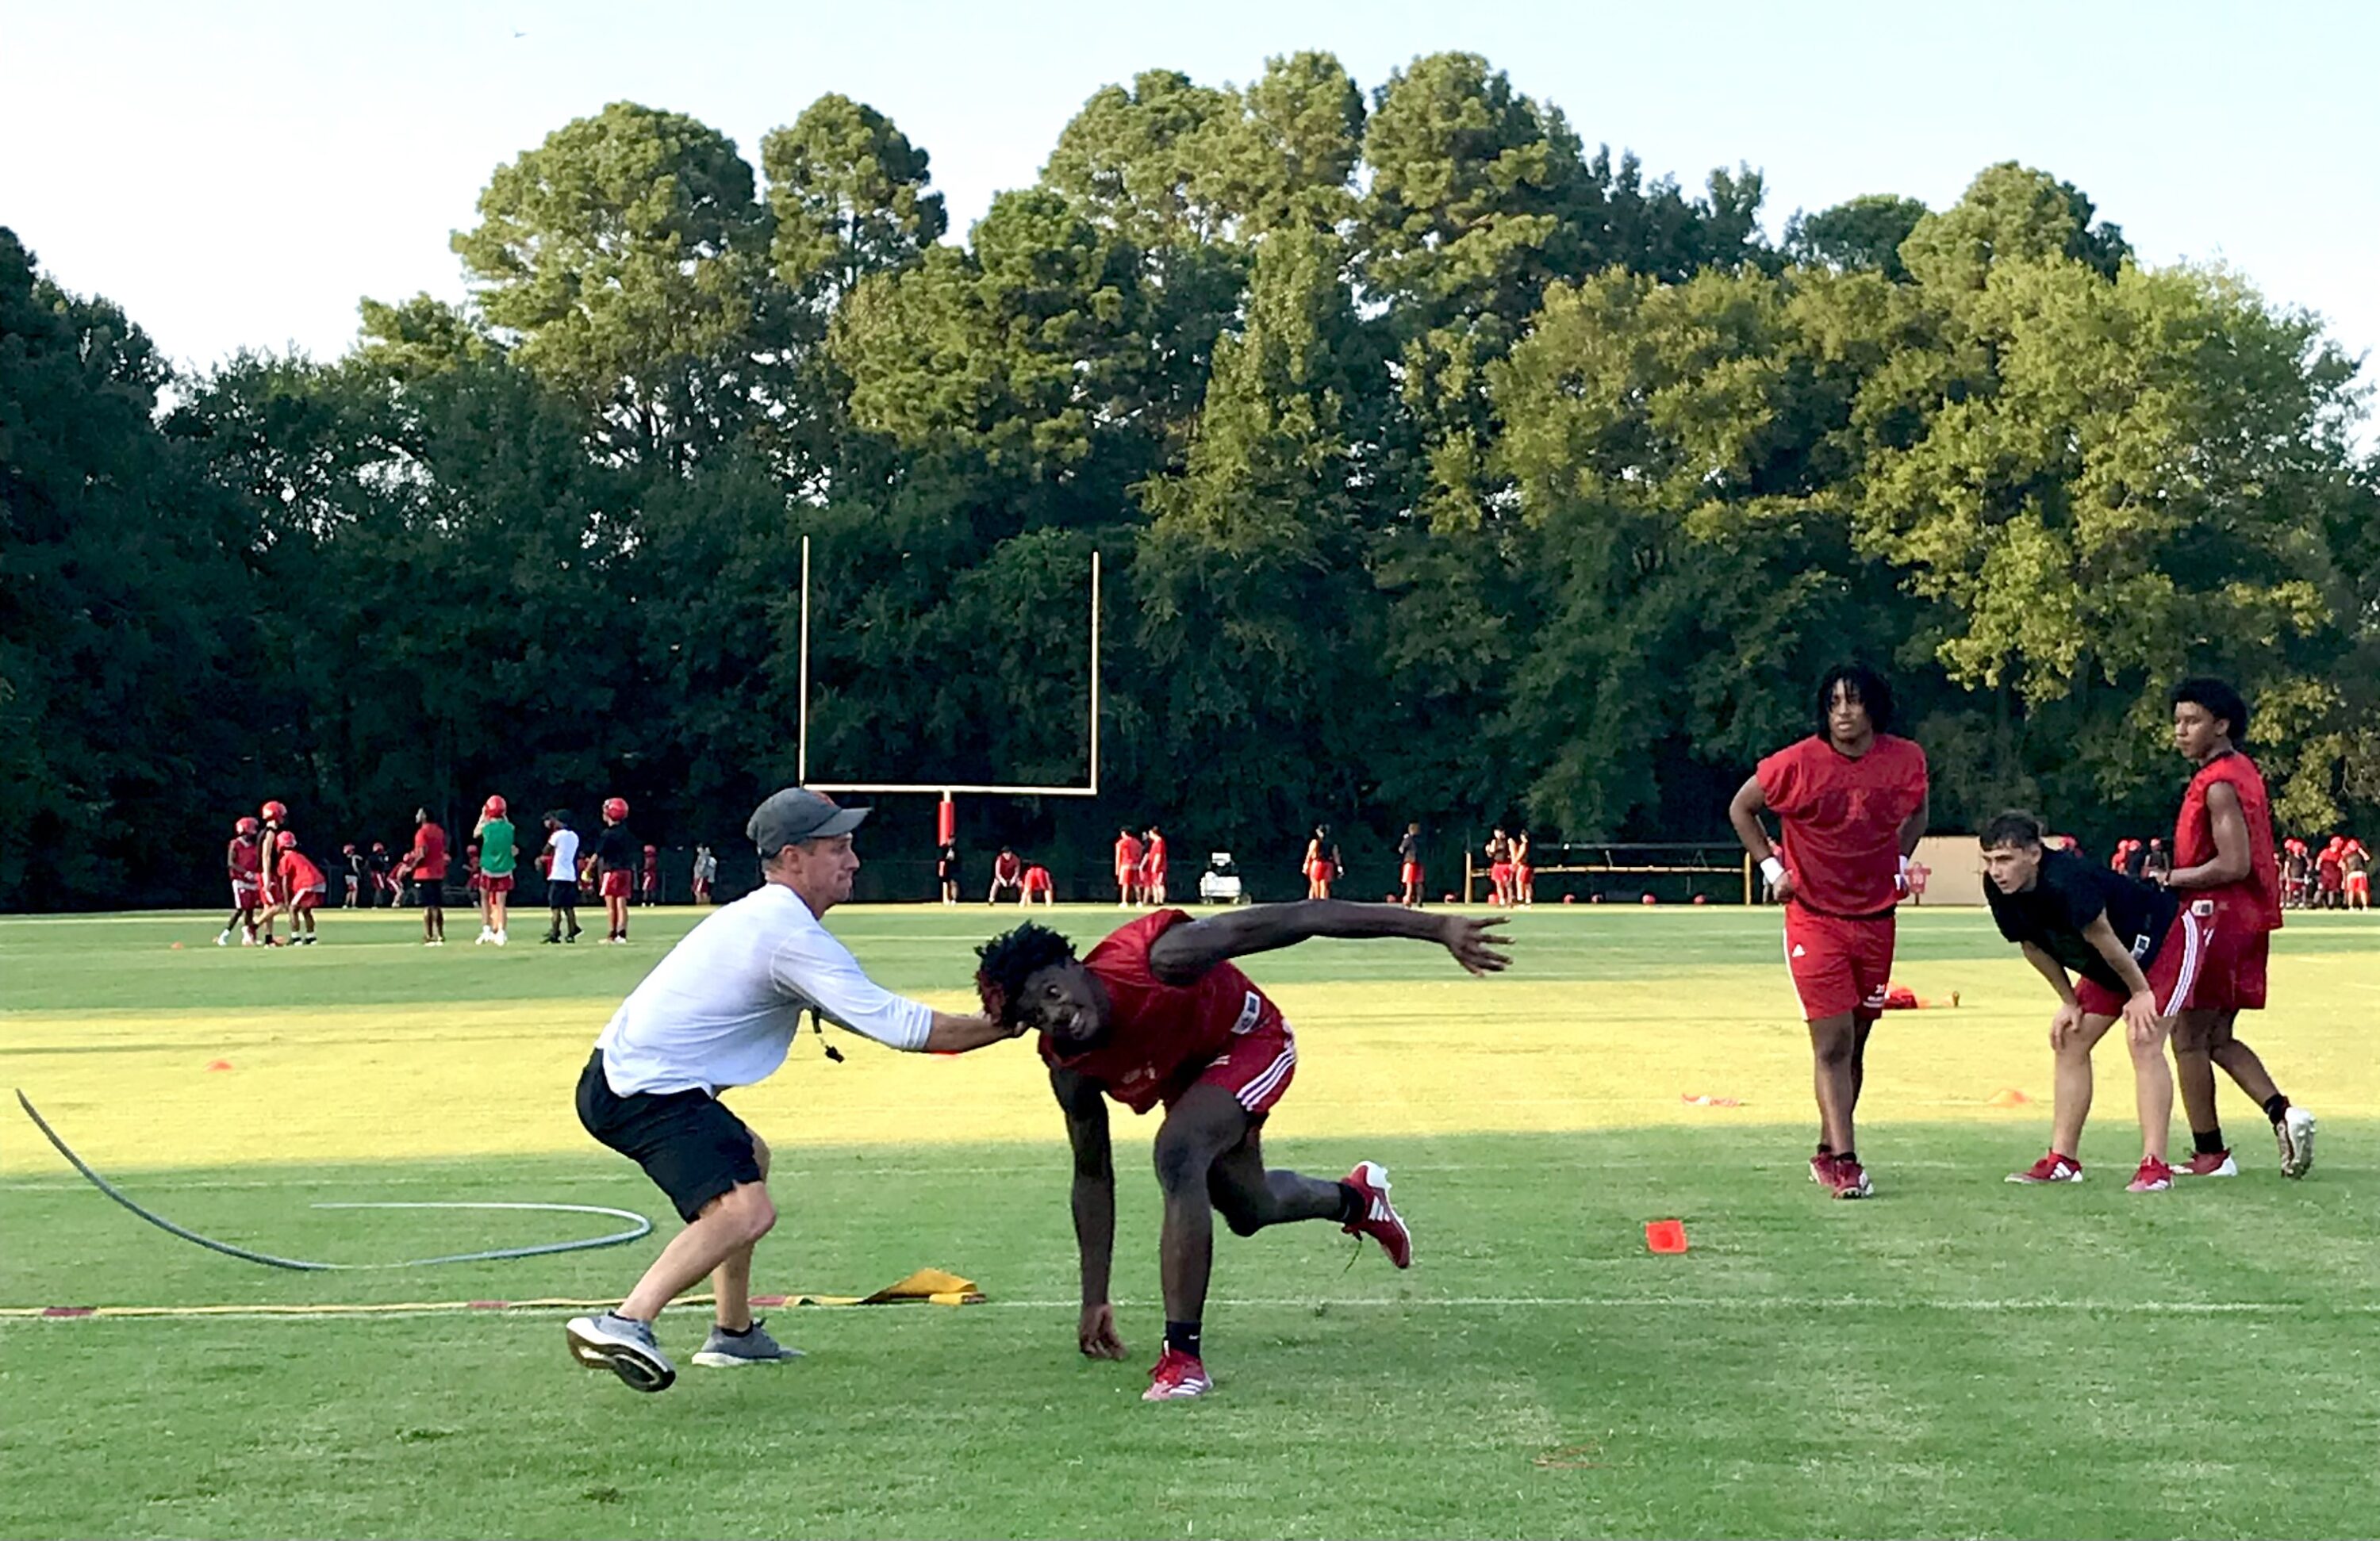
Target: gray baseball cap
[{"x": 797, "y": 814}]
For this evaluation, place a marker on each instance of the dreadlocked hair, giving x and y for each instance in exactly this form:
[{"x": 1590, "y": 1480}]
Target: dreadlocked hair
[{"x": 1011, "y": 958}]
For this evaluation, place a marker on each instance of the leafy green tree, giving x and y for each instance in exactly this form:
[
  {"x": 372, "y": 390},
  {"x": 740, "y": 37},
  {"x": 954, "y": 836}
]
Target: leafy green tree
[
  {"x": 849, "y": 195},
  {"x": 1290, "y": 159},
  {"x": 2010, "y": 213},
  {"x": 630, "y": 257},
  {"x": 421, "y": 337},
  {"x": 1862, "y": 236}
]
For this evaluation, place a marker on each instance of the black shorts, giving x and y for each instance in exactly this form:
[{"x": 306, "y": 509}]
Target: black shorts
[
  {"x": 688, "y": 1143},
  {"x": 561, "y": 894},
  {"x": 430, "y": 893}
]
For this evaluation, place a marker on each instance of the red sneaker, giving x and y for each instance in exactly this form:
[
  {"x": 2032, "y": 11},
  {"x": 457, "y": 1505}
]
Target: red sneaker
[
  {"x": 1822, "y": 1168},
  {"x": 1176, "y": 1378},
  {"x": 1379, "y": 1219},
  {"x": 2052, "y": 1167},
  {"x": 1851, "y": 1180},
  {"x": 2209, "y": 1163},
  {"x": 2155, "y": 1177}
]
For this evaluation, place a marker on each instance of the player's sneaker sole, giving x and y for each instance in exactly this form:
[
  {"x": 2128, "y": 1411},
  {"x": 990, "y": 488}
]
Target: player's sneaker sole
[
  {"x": 600, "y": 1346},
  {"x": 2294, "y": 1134}
]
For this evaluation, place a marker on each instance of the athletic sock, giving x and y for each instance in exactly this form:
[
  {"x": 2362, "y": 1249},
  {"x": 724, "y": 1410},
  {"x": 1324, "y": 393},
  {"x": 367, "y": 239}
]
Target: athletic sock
[
  {"x": 2209, "y": 1142},
  {"x": 1182, "y": 1338},
  {"x": 1352, "y": 1206},
  {"x": 2275, "y": 1106},
  {"x": 1848, "y": 1157}
]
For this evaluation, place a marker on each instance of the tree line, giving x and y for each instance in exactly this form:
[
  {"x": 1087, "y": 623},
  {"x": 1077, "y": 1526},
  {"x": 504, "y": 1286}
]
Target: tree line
[{"x": 1443, "y": 468}]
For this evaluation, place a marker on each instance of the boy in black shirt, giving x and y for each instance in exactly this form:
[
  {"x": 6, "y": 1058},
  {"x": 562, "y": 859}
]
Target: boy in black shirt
[{"x": 2136, "y": 948}]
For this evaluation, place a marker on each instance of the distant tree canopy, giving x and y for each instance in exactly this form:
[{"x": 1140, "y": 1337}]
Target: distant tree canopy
[{"x": 1444, "y": 469}]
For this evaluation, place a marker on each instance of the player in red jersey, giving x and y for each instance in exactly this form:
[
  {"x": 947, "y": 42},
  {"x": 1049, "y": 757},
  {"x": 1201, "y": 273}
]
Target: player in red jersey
[
  {"x": 301, "y": 886},
  {"x": 426, "y": 863},
  {"x": 649, "y": 885},
  {"x": 1152, "y": 868},
  {"x": 243, "y": 862},
  {"x": 1007, "y": 876},
  {"x": 1851, "y": 802},
  {"x": 1524, "y": 870},
  {"x": 2224, "y": 869},
  {"x": 1127, "y": 869},
  {"x": 1039, "y": 888},
  {"x": 1158, "y": 1013}
]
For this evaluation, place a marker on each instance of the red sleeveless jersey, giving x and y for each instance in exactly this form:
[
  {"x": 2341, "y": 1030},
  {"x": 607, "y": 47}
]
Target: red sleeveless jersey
[
  {"x": 2194, "y": 836},
  {"x": 245, "y": 859},
  {"x": 1160, "y": 1035}
]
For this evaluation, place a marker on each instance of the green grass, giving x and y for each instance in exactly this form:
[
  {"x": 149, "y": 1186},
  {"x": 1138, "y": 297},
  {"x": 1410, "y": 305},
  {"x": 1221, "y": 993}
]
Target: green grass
[{"x": 1958, "y": 1357}]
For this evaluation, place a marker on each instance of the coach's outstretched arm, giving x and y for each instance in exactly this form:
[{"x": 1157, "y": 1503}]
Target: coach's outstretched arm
[
  {"x": 818, "y": 969},
  {"x": 1186, "y": 952}
]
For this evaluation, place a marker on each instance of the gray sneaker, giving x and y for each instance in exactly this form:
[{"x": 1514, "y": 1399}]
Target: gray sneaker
[
  {"x": 622, "y": 1346},
  {"x": 2294, "y": 1133},
  {"x": 725, "y": 1351}
]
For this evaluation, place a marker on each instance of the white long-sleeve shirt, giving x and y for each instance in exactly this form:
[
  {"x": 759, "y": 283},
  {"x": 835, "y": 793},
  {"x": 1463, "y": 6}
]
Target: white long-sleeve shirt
[{"x": 722, "y": 1007}]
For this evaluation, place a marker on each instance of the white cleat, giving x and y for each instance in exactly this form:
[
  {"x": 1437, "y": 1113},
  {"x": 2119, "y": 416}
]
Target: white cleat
[
  {"x": 2294, "y": 1134},
  {"x": 222, "y": 938}
]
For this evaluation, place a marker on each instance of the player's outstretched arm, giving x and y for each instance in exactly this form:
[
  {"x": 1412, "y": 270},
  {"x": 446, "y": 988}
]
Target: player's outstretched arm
[
  {"x": 1184, "y": 953},
  {"x": 1094, "y": 1206}
]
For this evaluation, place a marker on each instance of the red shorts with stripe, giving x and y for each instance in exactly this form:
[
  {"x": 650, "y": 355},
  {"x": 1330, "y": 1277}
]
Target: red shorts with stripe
[
  {"x": 247, "y": 896},
  {"x": 2173, "y": 975},
  {"x": 1255, "y": 1069},
  {"x": 2232, "y": 978},
  {"x": 615, "y": 885},
  {"x": 1412, "y": 873},
  {"x": 1839, "y": 965},
  {"x": 306, "y": 899}
]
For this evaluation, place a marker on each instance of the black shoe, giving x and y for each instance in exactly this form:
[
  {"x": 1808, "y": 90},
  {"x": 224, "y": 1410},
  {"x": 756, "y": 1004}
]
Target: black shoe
[{"x": 551, "y": 940}]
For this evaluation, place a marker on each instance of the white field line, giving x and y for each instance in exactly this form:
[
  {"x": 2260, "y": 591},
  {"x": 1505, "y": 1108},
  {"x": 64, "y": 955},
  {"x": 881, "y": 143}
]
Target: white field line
[{"x": 2005, "y": 1305}]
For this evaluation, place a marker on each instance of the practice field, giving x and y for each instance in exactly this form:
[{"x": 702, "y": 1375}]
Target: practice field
[{"x": 1958, "y": 1357}]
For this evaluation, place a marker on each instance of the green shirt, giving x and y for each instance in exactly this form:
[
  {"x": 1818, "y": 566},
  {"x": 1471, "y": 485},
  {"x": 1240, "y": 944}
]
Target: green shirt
[{"x": 496, "y": 848}]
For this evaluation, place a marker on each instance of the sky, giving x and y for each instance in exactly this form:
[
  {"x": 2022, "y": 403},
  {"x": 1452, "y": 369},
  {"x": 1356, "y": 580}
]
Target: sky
[{"x": 237, "y": 175}]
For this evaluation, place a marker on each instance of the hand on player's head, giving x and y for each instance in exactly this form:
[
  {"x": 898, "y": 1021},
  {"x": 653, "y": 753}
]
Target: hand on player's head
[{"x": 1475, "y": 945}]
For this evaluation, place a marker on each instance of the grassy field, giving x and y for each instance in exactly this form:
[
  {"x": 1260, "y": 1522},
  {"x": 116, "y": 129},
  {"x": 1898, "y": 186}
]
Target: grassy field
[{"x": 1959, "y": 1357}]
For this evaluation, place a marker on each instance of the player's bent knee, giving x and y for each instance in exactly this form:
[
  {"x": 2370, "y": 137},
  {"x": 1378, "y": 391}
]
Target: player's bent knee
[
  {"x": 1243, "y": 1223},
  {"x": 745, "y": 1211},
  {"x": 1183, "y": 1163}
]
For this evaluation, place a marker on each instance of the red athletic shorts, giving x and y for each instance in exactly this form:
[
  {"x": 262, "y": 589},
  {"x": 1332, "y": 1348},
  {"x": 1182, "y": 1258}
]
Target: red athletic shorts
[
  {"x": 1257, "y": 1069},
  {"x": 615, "y": 885},
  {"x": 2358, "y": 882},
  {"x": 2232, "y": 978},
  {"x": 495, "y": 882},
  {"x": 246, "y": 896},
  {"x": 2173, "y": 977},
  {"x": 1500, "y": 872},
  {"x": 1412, "y": 873},
  {"x": 1524, "y": 876},
  {"x": 306, "y": 899},
  {"x": 1839, "y": 965}
]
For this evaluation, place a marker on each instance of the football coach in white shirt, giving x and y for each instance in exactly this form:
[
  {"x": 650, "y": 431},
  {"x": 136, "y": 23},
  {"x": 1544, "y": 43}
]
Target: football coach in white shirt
[{"x": 720, "y": 1009}]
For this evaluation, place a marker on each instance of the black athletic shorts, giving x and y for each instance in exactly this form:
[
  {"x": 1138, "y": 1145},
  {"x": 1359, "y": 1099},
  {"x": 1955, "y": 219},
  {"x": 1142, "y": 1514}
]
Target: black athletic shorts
[
  {"x": 560, "y": 895},
  {"x": 688, "y": 1143},
  {"x": 430, "y": 893}
]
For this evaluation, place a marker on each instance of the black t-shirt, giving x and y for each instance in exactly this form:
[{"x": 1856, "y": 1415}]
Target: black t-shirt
[
  {"x": 2135, "y": 860},
  {"x": 617, "y": 850},
  {"x": 2068, "y": 894},
  {"x": 1409, "y": 848}
]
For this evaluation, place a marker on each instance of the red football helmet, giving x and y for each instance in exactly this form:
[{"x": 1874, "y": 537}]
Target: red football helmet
[
  {"x": 245, "y": 826},
  {"x": 615, "y": 809},
  {"x": 273, "y": 810},
  {"x": 493, "y": 808},
  {"x": 286, "y": 840}
]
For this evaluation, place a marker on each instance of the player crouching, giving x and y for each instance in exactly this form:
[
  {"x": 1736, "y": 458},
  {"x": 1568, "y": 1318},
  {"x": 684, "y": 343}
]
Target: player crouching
[
  {"x": 299, "y": 886},
  {"x": 2137, "y": 951},
  {"x": 1156, "y": 1013}
]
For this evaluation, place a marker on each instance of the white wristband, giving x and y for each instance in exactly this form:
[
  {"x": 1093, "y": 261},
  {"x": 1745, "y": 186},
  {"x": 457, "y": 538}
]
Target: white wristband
[{"x": 1772, "y": 869}]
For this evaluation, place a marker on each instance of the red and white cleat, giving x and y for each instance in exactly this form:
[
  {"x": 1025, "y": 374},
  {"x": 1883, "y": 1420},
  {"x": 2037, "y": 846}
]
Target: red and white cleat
[
  {"x": 1822, "y": 1168},
  {"x": 2052, "y": 1167},
  {"x": 1379, "y": 1219},
  {"x": 2209, "y": 1163},
  {"x": 1177, "y": 1378},
  {"x": 1850, "y": 1180},
  {"x": 2155, "y": 1177}
]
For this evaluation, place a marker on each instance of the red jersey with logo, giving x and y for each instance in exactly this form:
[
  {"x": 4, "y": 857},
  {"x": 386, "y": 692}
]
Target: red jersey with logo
[
  {"x": 244, "y": 858},
  {"x": 428, "y": 855},
  {"x": 1127, "y": 854},
  {"x": 1161, "y": 1037},
  {"x": 2257, "y": 895},
  {"x": 298, "y": 874},
  {"x": 1841, "y": 818}
]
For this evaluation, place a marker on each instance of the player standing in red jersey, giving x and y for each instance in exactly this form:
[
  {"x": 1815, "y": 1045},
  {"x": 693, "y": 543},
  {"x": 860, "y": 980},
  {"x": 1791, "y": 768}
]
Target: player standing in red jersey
[
  {"x": 2224, "y": 869},
  {"x": 649, "y": 883},
  {"x": 1852, "y": 801},
  {"x": 301, "y": 886},
  {"x": 1318, "y": 870},
  {"x": 1152, "y": 868},
  {"x": 1158, "y": 1014},
  {"x": 427, "y": 865},
  {"x": 1127, "y": 869},
  {"x": 243, "y": 862}
]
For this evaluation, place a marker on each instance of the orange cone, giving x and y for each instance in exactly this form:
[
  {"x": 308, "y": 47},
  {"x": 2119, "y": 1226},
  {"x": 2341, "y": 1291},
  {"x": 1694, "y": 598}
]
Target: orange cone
[
  {"x": 1665, "y": 1236},
  {"x": 2007, "y": 1096},
  {"x": 218, "y": 1065}
]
